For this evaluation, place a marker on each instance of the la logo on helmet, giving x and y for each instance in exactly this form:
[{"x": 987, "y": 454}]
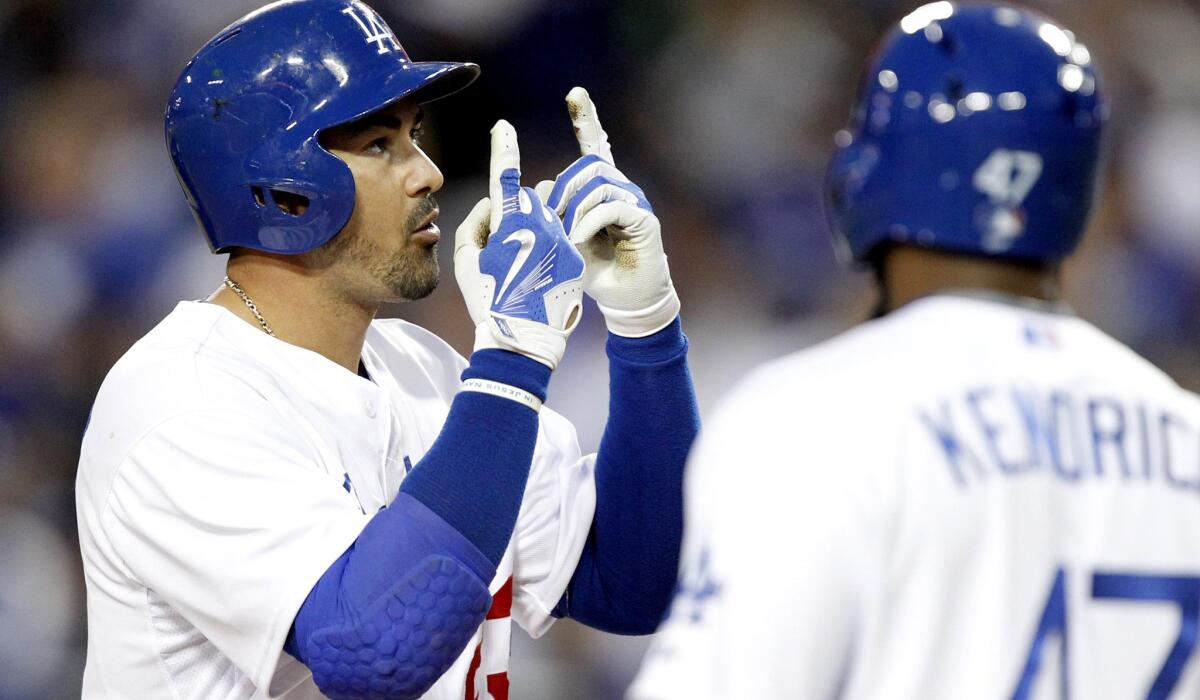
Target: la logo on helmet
[{"x": 373, "y": 28}]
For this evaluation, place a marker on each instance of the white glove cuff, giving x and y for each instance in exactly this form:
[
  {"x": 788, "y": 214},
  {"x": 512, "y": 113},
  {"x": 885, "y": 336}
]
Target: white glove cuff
[
  {"x": 537, "y": 341},
  {"x": 642, "y": 322}
]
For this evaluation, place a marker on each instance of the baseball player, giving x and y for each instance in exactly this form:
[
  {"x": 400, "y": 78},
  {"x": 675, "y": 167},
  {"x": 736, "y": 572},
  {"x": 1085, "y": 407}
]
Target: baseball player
[
  {"x": 280, "y": 496},
  {"x": 977, "y": 494}
]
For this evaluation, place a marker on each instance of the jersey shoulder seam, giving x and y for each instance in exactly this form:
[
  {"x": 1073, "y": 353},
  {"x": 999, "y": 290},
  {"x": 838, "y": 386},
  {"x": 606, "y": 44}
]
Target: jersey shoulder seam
[{"x": 133, "y": 444}]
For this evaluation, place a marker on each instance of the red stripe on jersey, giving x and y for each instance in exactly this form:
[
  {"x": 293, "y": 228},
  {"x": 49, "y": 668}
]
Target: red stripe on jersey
[
  {"x": 498, "y": 686},
  {"x": 471, "y": 694},
  {"x": 497, "y": 683},
  {"x": 502, "y": 602}
]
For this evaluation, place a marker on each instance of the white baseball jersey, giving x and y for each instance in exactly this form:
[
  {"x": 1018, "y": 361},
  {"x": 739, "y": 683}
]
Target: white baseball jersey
[
  {"x": 964, "y": 499},
  {"x": 224, "y": 470}
]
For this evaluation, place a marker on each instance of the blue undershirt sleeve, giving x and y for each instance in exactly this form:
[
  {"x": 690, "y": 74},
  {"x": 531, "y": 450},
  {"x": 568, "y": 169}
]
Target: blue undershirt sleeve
[
  {"x": 626, "y": 574},
  {"x": 396, "y": 609}
]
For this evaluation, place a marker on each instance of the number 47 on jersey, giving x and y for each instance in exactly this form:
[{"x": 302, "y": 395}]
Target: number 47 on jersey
[{"x": 1181, "y": 591}]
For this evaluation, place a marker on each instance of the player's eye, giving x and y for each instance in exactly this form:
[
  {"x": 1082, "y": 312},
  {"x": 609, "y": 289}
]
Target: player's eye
[
  {"x": 377, "y": 147},
  {"x": 416, "y": 134}
]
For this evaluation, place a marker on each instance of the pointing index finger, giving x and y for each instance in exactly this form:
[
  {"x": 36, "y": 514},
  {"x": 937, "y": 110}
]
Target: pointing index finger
[
  {"x": 504, "y": 180},
  {"x": 591, "y": 136}
]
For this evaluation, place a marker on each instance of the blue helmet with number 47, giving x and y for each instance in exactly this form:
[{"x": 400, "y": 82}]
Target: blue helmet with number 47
[
  {"x": 977, "y": 131},
  {"x": 243, "y": 123}
]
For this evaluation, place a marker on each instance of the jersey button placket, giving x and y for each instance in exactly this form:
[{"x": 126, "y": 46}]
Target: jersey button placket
[{"x": 388, "y": 438}]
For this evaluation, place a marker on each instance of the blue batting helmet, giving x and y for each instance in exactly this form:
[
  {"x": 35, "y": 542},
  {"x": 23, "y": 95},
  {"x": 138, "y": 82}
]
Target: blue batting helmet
[
  {"x": 977, "y": 131},
  {"x": 245, "y": 116}
]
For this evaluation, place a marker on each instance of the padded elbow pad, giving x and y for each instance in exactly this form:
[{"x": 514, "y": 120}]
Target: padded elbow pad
[{"x": 404, "y": 642}]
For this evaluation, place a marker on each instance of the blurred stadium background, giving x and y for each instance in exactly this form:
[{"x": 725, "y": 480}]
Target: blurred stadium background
[{"x": 724, "y": 110}]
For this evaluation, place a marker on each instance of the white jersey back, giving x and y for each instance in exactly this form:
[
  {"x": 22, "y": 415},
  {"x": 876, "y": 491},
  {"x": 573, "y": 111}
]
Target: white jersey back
[
  {"x": 223, "y": 471},
  {"x": 964, "y": 499}
]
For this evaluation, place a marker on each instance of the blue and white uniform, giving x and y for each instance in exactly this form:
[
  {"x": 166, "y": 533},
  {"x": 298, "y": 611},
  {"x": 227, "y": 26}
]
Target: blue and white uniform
[
  {"x": 968, "y": 498},
  {"x": 223, "y": 470}
]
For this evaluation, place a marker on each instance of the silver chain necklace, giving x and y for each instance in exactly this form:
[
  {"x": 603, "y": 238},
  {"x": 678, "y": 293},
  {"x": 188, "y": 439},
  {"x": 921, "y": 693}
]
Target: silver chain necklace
[{"x": 249, "y": 305}]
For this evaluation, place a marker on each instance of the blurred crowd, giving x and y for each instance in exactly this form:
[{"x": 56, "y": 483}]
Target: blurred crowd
[{"x": 723, "y": 110}]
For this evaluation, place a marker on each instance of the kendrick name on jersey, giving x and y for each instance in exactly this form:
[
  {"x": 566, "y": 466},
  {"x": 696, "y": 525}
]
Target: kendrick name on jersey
[{"x": 991, "y": 431}]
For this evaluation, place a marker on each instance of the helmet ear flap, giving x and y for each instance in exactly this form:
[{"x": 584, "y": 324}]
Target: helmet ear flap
[
  {"x": 294, "y": 215},
  {"x": 849, "y": 170}
]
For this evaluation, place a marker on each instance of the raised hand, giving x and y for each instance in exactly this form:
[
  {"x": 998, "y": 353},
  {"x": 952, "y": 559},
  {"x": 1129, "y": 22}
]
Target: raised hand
[
  {"x": 612, "y": 224},
  {"x": 519, "y": 274}
]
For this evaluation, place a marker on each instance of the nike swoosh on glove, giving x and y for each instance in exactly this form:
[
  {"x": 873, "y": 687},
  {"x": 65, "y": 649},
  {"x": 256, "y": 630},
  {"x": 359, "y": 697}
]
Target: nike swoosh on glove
[{"x": 521, "y": 277}]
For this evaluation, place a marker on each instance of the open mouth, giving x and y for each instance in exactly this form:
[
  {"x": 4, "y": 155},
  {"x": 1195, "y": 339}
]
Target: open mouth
[{"x": 427, "y": 233}]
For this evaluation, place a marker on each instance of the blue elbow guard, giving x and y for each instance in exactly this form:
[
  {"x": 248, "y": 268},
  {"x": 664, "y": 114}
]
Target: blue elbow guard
[
  {"x": 395, "y": 638},
  {"x": 407, "y": 640}
]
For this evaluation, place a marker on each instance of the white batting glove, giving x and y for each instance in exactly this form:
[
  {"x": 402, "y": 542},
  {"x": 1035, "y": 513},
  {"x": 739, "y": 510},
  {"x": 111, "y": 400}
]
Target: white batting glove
[
  {"x": 518, "y": 272},
  {"x": 609, "y": 220}
]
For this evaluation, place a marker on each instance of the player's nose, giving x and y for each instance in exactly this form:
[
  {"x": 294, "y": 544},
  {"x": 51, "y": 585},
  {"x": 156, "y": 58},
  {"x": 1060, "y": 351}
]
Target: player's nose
[{"x": 424, "y": 178}]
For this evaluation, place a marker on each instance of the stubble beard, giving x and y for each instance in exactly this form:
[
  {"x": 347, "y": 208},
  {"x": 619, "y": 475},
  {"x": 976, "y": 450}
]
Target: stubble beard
[{"x": 409, "y": 272}]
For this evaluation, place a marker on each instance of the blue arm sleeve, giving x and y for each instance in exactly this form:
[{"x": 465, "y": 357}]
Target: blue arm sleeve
[
  {"x": 397, "y": 608},
  {"x": 627, "y": 572},
  {"x": 474, "y": 475}
]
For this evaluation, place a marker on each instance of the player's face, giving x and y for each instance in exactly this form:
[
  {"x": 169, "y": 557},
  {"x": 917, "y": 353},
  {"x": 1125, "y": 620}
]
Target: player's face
[{"x": 388, "y": 249}]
